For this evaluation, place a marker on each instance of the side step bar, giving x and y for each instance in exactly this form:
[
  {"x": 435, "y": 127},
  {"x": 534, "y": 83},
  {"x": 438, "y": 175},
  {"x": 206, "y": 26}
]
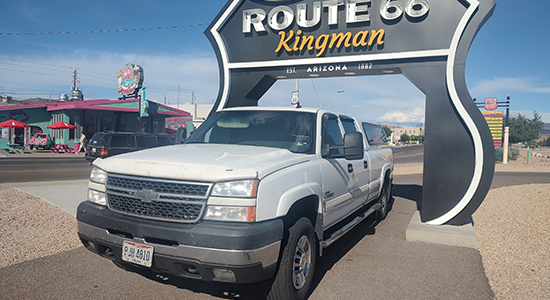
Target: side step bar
[{"x": 340, "y": 232}]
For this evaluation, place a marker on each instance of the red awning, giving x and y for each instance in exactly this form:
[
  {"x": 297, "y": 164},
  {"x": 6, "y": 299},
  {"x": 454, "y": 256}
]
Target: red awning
[
  {"x": 13, "y": 124},
  {"x": 61, "y": 125}
]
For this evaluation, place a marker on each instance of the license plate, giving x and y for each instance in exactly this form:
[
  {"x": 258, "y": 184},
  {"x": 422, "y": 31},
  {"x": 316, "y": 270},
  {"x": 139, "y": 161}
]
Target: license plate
[
  {"x": 137, "y": 253},
  {"x": 93, "y": 150}
]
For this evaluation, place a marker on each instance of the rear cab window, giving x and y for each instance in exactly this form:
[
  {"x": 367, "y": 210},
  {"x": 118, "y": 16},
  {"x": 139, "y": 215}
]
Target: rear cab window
[{"x": 375, "y": 134}]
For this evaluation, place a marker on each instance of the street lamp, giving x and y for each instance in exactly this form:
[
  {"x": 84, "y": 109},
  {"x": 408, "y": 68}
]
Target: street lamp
[{"x": 335, "y": 92}]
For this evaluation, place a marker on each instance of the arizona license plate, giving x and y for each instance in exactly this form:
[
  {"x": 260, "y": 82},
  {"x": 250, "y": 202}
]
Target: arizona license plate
[{"x": 137, "y": 253}]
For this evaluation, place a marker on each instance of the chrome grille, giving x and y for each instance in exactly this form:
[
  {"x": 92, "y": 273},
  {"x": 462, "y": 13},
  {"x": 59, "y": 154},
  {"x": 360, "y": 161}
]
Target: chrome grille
[{"x": 158, "y": 199}]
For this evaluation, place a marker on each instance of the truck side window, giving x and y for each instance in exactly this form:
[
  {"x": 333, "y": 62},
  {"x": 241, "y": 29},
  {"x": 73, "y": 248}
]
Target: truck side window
[
  {"x": 375, "y": 134},
  {"x": 349, "y": 124},
  {"x": 332, "y": 135}
]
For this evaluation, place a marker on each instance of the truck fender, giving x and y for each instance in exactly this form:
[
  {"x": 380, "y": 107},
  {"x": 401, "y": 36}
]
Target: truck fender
[
  {"x": 385, "y": 169},
  {"x": 295, "y": 193}
]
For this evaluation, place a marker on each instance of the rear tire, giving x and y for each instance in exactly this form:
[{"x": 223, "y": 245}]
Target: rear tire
[
  {"x": 297, "y": 265},
  {"x": 384, "y": 200}
]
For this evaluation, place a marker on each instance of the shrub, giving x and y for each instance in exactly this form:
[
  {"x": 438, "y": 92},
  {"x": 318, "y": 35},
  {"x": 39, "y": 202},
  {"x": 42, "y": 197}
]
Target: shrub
[{"x": 513, "y": 153}]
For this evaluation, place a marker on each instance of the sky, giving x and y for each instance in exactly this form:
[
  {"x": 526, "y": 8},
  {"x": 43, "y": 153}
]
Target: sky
[{"x": 508, "y": 57}]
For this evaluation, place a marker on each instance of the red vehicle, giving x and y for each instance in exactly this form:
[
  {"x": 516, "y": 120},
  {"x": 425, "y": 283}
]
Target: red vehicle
[{"x": 41, "y": 140}]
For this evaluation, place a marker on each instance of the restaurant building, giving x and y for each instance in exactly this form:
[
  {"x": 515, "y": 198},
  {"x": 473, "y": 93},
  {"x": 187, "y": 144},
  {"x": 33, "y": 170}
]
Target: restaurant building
[{"x": 89, "y": 116}]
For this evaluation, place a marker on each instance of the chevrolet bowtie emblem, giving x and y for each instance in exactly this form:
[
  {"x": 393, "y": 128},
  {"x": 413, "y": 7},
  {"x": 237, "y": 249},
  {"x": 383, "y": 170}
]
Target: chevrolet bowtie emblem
[{"x": 147, "y": 195}]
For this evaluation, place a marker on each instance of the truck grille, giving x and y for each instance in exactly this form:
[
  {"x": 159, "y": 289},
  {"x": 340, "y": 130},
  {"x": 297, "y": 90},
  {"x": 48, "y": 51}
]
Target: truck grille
[{"x": 157, "y": 199}]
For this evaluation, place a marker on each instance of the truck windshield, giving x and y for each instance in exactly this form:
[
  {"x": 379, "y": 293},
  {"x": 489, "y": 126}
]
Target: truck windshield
[{"x": 294, "y": 131}]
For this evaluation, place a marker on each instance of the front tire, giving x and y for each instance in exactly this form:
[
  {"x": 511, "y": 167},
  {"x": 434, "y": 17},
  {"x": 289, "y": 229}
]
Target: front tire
[{"x": 297, "y": 264}]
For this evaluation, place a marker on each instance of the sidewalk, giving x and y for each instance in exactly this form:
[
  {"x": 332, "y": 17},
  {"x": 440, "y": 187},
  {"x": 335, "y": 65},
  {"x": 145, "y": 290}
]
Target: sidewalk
[{"x": 66, "y": 195}]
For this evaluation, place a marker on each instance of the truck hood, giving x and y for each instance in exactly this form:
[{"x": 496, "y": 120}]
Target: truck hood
[{"x": 202, "y": 162}]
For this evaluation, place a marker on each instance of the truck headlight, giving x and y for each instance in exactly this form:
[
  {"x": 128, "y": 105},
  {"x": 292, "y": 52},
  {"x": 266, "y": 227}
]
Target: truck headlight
[
  {"x": 231, "y": 213},
  {"x": 241, "y": 188},
  {"x": 97, "y": 197},
  {"x": 98, "y": 175}
]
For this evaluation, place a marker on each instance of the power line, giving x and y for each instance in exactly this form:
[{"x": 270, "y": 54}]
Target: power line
[{"x": 104, "y": 31}]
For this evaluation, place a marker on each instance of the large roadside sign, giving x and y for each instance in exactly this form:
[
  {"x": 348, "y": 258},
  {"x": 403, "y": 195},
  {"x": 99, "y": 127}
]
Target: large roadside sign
[{"x": 259, "y": 42}]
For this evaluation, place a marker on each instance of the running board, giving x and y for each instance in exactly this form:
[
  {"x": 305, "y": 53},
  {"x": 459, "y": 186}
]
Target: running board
[{"x": 339, "y": 233}]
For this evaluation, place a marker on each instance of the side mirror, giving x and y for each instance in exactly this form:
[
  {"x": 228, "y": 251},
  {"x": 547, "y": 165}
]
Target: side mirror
[{"x": 353, "y": 146}]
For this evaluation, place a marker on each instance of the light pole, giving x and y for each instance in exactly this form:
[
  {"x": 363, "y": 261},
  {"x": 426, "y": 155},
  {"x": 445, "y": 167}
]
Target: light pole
[{"x": 335, "y": 92}]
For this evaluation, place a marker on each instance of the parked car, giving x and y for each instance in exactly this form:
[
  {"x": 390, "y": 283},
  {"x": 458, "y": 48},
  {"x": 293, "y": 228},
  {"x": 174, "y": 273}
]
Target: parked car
[
  {"x": 41, "y": 140},
  {"x": 106, "y": 144}
]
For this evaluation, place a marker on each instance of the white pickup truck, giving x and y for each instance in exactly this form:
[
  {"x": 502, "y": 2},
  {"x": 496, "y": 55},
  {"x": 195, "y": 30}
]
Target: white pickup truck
[{"x": 253, "y": 195}]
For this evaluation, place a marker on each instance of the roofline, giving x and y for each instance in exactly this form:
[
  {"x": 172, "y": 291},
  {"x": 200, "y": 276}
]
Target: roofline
[{"x": 93, "y": 104}]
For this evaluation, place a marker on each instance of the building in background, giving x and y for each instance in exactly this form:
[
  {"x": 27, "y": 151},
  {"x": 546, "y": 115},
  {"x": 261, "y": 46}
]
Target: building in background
[
  {"x": 199, "y": 112},
  {"x": 89, "y": 116},
  {"x": 397, "y": 131}
]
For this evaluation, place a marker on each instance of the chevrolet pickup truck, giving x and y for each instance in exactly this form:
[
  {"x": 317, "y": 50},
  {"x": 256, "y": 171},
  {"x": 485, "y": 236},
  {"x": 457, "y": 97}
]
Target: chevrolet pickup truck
[{"x": 254, "y": 195}]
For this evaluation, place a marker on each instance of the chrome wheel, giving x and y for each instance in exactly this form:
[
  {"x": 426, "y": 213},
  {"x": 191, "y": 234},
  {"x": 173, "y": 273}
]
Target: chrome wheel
[{"x": 302, "y": 262}]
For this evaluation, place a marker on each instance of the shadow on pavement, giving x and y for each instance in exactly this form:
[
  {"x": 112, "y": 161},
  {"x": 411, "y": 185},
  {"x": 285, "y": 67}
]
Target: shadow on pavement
[{"x": 411, "y": 192}]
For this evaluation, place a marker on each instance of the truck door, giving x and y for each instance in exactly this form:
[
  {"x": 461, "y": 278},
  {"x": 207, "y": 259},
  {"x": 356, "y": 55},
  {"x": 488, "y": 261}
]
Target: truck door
[
  {"x": 340, "y": 180},
  {"x": 361, "y": 167},
  {"x": 375, "y": 137}
]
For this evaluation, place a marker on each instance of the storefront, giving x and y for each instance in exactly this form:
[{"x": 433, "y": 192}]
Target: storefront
[{"x": 89, "y": 116}]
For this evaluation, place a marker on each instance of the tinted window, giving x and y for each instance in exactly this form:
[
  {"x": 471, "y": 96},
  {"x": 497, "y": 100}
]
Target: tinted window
[
  {"x": 162, "y": 141},
  {"x": 153, "y": 141},
  {"x": 332, "y": 135},
  {"x": 98, "y": 140},
  {"x": 118, "y": 140},
  {"x": 349, "y": 125},
  {"x": 375, "y": 134},
  {"x": 141, "y": 142}
]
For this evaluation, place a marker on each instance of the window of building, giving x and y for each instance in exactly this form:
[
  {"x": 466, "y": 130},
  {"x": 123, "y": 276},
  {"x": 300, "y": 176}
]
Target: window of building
[{"x": 106, "y": 124}]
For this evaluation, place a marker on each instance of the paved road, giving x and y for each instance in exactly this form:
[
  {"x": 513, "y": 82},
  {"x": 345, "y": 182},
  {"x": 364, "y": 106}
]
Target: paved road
[
  {"x": 413, "y": 154},
  {"x": 373, "y": 261},
  {"x": 43, "y": 167}
]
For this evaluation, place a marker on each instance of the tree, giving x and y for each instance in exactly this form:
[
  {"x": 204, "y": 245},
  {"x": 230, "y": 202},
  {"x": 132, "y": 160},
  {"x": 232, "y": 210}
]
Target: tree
[
  {"x": 405, "y": 138},
  {"x": 525, "y": 130},
  {"x": 417, "y": 138},
  {"x": 387, "y": 130}
]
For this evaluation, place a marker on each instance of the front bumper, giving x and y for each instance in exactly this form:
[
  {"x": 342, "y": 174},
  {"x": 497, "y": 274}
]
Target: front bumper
[{"x": 210, "y": 251}]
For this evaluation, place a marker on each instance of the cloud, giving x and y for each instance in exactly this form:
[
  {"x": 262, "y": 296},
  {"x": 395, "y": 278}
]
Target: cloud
[
  {"x": 498, "y": 84},
  {"x": 415, "y": 116},
  {"x": 28, "y": 12}
]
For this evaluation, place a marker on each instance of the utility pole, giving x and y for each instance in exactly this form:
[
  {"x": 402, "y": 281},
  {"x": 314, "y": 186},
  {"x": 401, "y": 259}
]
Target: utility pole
[
  {"x": 74, "y": 80},
  {"x": 178, "y": 95}
]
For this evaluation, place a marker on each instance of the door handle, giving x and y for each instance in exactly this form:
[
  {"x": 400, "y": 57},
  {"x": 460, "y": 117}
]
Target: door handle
[
  {"x": 350, "y": 168},
  {"x": 366, "y": 164}
]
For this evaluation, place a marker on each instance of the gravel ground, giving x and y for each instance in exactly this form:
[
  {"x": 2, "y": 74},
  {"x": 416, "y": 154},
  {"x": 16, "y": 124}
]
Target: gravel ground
[
  {"x": 511, "y": 226},
  {"x": 31, "y": 228}
]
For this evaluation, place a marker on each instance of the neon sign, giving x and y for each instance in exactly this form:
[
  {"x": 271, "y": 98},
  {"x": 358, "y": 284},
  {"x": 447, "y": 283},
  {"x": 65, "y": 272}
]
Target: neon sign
[{"x": 130, "y": 80}]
